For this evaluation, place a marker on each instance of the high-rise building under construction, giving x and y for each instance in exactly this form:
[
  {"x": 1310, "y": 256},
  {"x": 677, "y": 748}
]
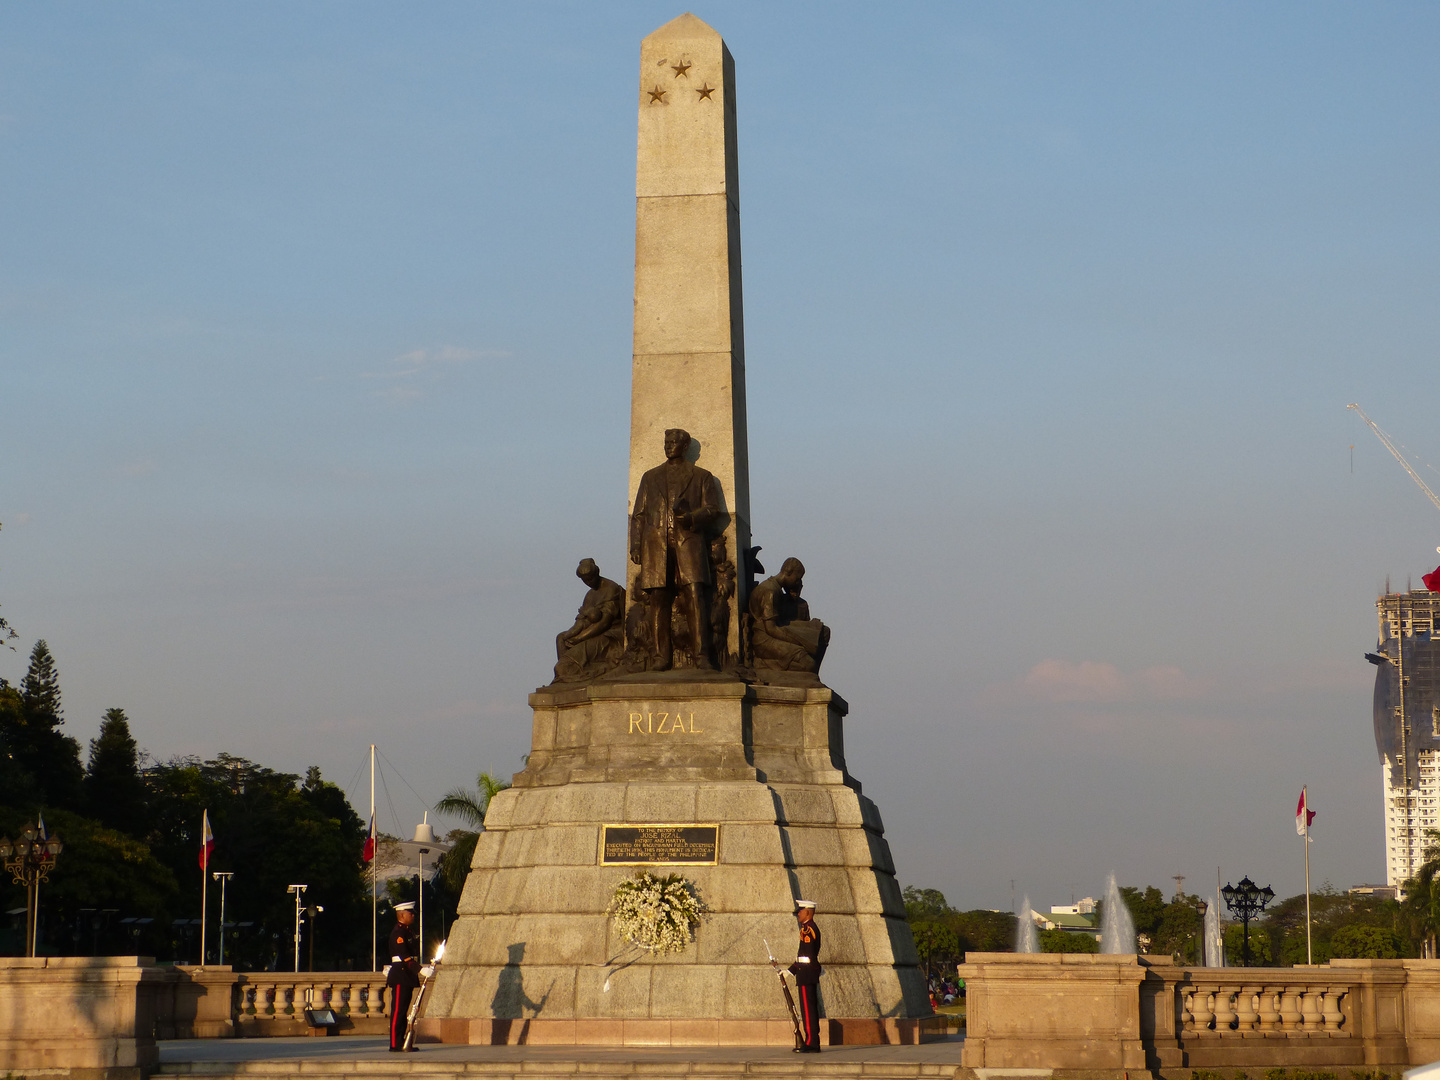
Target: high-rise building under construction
[{"x": 1407, "y": 725}]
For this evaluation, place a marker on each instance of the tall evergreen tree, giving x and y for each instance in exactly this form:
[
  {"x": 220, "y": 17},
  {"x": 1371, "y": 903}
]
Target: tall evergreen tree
[
  {"x": 115, "y": 793},
  {"x": 41, "y": 749}
]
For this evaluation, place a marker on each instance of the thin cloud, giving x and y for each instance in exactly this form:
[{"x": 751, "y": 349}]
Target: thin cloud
[
  {"x": 139, "y": 467},
  {"x": 1093, "y": 682},
  {"x": 428, "y": 361},
  {"x": 420, "y": 366}
]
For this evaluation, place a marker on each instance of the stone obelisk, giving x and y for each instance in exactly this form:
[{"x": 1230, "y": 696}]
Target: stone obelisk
[
  {"x": 736, "y": 779},
  {"x": 689, "y": 362}
]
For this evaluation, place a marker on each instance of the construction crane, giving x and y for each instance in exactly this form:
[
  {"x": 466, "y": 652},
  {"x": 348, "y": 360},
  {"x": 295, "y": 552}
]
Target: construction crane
[{"x": 1397, "y": 456}]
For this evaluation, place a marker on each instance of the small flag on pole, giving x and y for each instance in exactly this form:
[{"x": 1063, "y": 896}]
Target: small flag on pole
[
  {"x": 369, "y": 852},
  {"x": 1303, "y": 815},
  {"x": 207, "y": 841},
  {"x": 40, "y": 828}
]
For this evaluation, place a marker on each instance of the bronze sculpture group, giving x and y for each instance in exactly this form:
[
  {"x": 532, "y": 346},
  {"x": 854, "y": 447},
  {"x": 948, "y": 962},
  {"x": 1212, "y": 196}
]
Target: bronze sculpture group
[{"x": 685, "y": 587}]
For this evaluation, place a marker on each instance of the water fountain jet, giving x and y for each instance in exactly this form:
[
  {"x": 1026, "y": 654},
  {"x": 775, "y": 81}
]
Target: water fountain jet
[
  {"x": 1027, "y": 938},
  {"x": 1117, "y": 928}
]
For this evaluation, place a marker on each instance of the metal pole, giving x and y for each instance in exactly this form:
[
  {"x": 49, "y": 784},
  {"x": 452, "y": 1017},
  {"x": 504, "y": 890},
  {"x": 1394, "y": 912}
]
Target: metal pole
[
  {"x": 204, "y": 898},
  {"x": 299, "y": 891},
  {"x": 1309, "y": 958},
  {"x": 32, "y": 916},
  {"x": 374, "y": 868},
  {"x": 223, "y": 876}
]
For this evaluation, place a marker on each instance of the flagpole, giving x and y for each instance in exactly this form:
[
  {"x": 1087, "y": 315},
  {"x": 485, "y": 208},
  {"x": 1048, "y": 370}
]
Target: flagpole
[
  {"x": 204, "y": 874},
  {"x": 1304, "y": 798},
  {"x": 374, "y": 860}
]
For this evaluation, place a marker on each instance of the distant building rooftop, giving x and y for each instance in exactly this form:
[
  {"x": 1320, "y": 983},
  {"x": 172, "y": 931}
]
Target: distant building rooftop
[{"x": 1384, "y": 892}]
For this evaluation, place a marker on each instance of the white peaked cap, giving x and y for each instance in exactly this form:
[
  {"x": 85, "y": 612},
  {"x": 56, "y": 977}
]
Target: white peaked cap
[
  {"x": 804, "y": 903},
  {"x": 408, "y": 905}
]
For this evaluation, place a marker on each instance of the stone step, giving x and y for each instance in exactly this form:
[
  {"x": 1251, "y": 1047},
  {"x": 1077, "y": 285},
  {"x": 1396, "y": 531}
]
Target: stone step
[{"x": 418, "y": 1067}]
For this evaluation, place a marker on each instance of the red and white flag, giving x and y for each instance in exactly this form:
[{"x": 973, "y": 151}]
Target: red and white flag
[
  {"x": 369, "y": 852},
  {"x": 1303, "y": 815},
  {"x": 207, "y": 841}
]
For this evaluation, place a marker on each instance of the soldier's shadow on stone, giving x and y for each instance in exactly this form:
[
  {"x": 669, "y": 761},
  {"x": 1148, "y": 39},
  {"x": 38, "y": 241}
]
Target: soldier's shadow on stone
[{"x": 511, "y": 1003}]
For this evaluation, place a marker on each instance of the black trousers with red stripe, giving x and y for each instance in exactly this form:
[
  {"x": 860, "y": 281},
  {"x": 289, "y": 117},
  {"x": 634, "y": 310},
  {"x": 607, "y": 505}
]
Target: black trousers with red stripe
[
  {"x": 399, "y": 1006},
  {"x": 809, "y": 1016}
]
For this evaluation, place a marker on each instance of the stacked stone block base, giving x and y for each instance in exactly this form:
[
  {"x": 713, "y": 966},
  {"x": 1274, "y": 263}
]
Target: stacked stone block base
[{"x": 533, "y": 956}]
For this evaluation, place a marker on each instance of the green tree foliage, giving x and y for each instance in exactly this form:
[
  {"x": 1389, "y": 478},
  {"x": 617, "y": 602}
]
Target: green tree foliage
[
  {"x": 1260, "y": 955},
  {"x": 1330, "y": 911},
  {"x": 925, "y": 904},
  {"x": 1065, "y": 941},
  {"x": 1147, "y": 909},
  {"x": 984, "y": 931},
  {"x": 46, "y": 759},
  {"x": 17, "y": 786},
  {"x": 272, "y": 831},
  {"x": 974, "y": 931},
  {"x": 98, "y": 869},
  {"x": 938, "y": 946},
  {"x": 114, "y": 791},
  {"x": 1364, "y": 942},
  {"x": 470, "y": 807}
]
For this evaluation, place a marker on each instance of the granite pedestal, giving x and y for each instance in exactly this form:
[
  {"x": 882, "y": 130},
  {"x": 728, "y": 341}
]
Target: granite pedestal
[{"x": 533, "y": 956}]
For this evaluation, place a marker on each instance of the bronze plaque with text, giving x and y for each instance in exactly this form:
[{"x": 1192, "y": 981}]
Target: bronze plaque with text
[{"x": 646, "y": 844}]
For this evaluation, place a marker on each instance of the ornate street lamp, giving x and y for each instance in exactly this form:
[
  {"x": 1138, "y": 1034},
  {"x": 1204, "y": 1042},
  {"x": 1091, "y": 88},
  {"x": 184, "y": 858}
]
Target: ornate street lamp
[
  {"x": 1247, "y": 900},
  {"x": 30, "y": 860}
]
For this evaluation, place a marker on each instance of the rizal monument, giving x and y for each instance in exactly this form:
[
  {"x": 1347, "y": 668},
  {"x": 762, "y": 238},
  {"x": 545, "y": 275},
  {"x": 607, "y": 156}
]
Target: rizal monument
[{"x": 687, "y": 730}]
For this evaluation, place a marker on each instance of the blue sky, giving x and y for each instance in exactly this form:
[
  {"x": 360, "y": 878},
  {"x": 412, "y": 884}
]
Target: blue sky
[{"x": 314, "y": 361}]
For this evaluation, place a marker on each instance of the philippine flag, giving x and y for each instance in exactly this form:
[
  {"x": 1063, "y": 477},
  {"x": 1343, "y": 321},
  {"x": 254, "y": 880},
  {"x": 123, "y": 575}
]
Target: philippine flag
[
  {"x": 207, "y": 841},
  {"x": 1303, "y": 816},
  {"x": 369, "y": 852}
]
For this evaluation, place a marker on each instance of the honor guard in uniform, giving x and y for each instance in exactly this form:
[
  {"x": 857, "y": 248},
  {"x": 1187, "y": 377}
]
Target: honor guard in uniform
[
  {"x": 806, "y": 970},
  {"x": 403, "y": 974}
]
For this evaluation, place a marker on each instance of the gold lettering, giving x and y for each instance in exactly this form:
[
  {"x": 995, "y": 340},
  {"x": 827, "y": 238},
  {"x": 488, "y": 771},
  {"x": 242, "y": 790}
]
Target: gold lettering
[
  {"x": 693, "y": 729},
  {"x": 661, "y": 729},
  {"x": 636, "y": 720},
  {"x": 651, "y": 729},
  {"x": 678, "y": 728}
]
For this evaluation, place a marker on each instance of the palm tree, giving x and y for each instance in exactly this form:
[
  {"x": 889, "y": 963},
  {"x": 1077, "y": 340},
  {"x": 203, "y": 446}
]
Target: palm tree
[
  {"x": 1422, "y": 894},
  {"x": 469, "y": 806}
]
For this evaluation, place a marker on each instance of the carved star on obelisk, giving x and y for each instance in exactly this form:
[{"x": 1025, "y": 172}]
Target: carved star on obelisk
[
  {"x": 681, "y": 68},
  {"x": 657, "y": 95},
  {"x": 705, "y": 91}
]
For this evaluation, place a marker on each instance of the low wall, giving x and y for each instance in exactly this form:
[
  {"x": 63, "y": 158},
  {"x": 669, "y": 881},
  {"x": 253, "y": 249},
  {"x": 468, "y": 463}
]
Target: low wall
[
  {"x": 93, "y": 1017},
  {"x": 216, "y": 1002},
  {"x": 268, "y": 1003},
  {"x": 1117, "y": 1013}
]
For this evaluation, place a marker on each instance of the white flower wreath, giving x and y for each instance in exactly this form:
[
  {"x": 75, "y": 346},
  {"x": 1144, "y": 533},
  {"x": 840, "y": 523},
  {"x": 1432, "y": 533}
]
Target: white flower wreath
[{"x": 659, "y": 914}]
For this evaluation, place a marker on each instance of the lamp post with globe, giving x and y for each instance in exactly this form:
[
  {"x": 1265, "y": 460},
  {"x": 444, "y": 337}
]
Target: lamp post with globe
[
  {"x": 1247, "y": 900},
  {"x": 30, "y": 860}
]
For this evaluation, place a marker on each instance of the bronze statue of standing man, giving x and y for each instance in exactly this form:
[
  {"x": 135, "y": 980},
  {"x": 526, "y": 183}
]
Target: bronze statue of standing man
[{"x": 675, "y": 507}]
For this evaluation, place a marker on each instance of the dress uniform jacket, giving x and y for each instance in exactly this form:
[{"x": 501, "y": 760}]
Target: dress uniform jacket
[
  {"x": 666, "y": 491},
  {"x": 806, "y": 968},
  {"x": 404, "y": 944}
]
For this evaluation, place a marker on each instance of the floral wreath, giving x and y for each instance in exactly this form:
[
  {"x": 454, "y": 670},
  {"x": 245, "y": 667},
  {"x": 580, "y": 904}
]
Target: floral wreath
[{"x": 657, "y": 914}]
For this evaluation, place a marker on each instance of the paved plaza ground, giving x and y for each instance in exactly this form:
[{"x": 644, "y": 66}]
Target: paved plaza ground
[{"x": 370, "y": 1057}]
